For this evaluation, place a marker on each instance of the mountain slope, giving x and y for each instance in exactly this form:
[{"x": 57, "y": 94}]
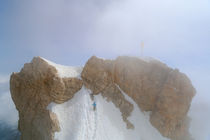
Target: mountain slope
[
  {"x": 55, "y": 101},
  {"x": 79, "y": 121}
]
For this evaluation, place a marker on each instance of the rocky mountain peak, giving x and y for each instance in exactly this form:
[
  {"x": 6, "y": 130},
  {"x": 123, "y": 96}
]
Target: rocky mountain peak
[{"x": 165, "y": 92}]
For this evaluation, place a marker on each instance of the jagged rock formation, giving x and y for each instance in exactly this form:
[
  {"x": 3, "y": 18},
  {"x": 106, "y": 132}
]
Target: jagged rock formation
[
  {"x": 152, "y": 85},
  {"x": 32, "y": 89},
  {"x": 166, "y": 92},
  {"x": 97, "y": 76}
]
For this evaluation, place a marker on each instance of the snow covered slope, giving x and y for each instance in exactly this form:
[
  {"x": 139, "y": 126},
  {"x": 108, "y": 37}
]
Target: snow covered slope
[
  {"x": 78, "y": 120},
  {"x": 42, "y": 84},
  {"x": 65, "y": 71}
]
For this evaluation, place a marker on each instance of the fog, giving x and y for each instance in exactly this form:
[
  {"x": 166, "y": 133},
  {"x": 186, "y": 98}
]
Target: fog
[
  {"x": 8, "y": 112},
  {"x": 70, "y": 31},
  {"x": 116, "y": 26}
]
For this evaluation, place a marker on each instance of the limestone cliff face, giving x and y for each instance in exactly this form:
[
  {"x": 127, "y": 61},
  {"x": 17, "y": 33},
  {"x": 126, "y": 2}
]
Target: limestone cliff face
[
  {"x": 32, "y": 89},
  {"x": 160, "y": 89},
  {"x": 166, "y": 92},
  {"x": 97, "y": 75}
]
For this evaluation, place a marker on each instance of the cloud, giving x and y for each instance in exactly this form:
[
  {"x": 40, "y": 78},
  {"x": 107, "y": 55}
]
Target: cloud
[
  {"x": 8, "y": 133},
  {"x": 165, "y": 26},
  {"x": 4, "y": 83},
  {"x": 176, "y": 32},
  {"x": 200, "y": 125},
  {"x": 200, "y": 107},
  {"x": 4, "y": 79},
  {"x": 171, "y": 30},
  {"x": 8, "y": 112}
]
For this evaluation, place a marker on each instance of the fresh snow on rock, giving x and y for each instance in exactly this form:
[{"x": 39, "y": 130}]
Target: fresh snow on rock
[
  {"x": 75, "y": 117},
  {"x": 66, "y": 71},
  {"x": 78, "y": 120}
]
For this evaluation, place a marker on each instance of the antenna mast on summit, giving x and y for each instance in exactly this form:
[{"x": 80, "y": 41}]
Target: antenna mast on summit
[{"x": 142, "y": 49}]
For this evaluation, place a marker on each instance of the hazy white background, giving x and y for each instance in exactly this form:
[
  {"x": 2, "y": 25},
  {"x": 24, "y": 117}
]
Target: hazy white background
[{"x": 70, "y": 31}]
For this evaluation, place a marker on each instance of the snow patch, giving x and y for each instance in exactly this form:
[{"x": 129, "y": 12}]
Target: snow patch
[
  {"x": 78, "y": 120},
  {"x": 148, "y": 59},
  {"x": 66, "y": 71}
]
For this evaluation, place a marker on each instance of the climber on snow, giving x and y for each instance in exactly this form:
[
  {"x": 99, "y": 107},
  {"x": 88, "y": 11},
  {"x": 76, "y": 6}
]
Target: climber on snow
[{"x": 94, "y": 105}]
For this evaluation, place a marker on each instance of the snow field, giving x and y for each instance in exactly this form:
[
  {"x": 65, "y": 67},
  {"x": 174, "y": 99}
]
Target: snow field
[{"x": 78, "y": 121}]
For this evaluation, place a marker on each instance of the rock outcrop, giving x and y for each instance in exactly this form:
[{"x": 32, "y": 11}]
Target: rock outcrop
[
  {"x": 155, "y": 87},
  {"x": 32, "y": 90},
  {"x": 167, "y": 93}
]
